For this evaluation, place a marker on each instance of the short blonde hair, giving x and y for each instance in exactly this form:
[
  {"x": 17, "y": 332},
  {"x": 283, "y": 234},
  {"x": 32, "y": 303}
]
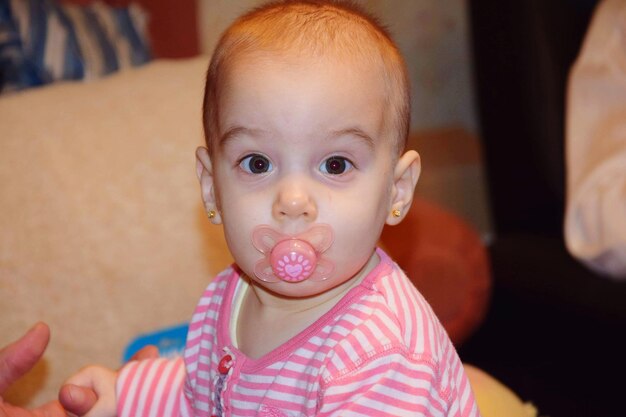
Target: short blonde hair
[{"x": 318, "y": 27}]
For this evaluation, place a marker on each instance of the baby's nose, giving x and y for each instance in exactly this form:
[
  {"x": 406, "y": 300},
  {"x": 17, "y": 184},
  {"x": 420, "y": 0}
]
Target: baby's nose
[{"x": 294, "y": 201}]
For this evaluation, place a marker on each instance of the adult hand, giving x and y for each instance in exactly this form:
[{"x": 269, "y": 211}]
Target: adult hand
[
  {"x": 18, "y": 358},
  {"x": 79, "y": 400}
]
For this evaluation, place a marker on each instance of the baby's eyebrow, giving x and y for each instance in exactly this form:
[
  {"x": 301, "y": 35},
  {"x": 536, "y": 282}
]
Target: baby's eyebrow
[
  {"x": 353, "y": 131},
  {"x": 237, "y": 131}
]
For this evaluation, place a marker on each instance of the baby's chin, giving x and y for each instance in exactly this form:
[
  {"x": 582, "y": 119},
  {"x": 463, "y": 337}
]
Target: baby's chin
[{"x": 295, "y": 290}]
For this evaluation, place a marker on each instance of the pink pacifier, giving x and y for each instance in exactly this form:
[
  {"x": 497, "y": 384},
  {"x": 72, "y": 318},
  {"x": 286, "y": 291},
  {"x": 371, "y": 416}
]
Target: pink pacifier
[{"x": 292, "y": 258}]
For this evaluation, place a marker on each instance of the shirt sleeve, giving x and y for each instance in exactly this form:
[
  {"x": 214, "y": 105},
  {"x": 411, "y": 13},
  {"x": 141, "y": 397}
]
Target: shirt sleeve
[
  {"x": 394, "y": 385},
  {"x": 152, "y": 388}
]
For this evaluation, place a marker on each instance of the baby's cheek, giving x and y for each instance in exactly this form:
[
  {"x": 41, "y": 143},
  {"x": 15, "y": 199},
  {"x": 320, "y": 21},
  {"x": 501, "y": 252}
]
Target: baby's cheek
[{"x": 240, "y": 244}]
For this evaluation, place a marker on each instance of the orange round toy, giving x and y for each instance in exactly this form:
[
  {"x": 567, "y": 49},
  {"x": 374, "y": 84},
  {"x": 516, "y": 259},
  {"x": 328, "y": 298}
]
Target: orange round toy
[{"x": 446, "y": 260}]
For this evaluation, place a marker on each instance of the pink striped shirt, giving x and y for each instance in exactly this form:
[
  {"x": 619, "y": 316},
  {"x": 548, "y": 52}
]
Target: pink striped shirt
[{"x": 380, "y": 351}]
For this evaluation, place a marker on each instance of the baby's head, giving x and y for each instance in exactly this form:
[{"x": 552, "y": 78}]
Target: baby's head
[
  {"x": 311, "y": 30},
  {"x": 306, "y": 114}
]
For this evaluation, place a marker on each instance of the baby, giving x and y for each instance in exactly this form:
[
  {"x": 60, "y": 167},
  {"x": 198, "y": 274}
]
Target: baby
[{"x": 306, "y": 114}]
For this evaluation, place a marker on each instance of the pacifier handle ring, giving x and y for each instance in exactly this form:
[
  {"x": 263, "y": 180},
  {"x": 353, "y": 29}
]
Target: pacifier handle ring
[{"x": 293, "y": 258}]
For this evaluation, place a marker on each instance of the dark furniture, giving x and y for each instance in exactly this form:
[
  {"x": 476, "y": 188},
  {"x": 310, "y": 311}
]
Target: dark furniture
[{"x": 555, "y": 331}]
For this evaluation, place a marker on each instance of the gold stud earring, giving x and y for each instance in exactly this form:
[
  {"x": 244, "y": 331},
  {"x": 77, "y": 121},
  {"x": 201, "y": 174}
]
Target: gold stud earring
[
  {"x": 211, "y": 214},
  {"x": 396, "y": 213}
]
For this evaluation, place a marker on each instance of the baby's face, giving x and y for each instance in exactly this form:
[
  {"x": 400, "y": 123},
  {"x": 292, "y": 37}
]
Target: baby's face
[{"x": 303, "y": 143}]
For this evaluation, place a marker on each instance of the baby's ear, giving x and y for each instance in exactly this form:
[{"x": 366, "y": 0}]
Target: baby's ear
[
  {"x": 406, "y": 174},
  {"x": 204, "y": 171}
]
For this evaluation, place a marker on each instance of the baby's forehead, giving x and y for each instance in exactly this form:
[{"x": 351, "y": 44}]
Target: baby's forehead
[
  {"x": 303, "y": 66},
  {"x": 293, "y": 58},
  {"x": 342, "y": 120},
  {"x": 334, "y": 63}
]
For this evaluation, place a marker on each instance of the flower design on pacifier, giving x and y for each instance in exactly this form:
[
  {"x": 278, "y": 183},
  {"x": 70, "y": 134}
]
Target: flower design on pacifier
[{"x": 293, "y": 258}]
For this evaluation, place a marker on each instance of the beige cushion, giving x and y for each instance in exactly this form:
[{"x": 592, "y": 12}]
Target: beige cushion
[
  {"x": 595, "y": 221},
  {"x": 102, "y": 231}
]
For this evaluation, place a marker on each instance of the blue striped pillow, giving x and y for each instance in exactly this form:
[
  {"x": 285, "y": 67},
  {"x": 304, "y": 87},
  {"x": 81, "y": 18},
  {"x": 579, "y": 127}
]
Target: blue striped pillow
[{"x": 42, "y": 41}]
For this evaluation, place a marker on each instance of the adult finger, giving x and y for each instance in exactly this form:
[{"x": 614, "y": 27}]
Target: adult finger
[
  {"x": 77, "y": 400},
  {"x": 19, "y": 357},
  {"x": 97, "y": 379},
  {"x": 51, "y": 409}
]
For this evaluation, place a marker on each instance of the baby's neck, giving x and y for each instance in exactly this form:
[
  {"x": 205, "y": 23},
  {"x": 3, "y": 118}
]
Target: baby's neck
[{"x": 267, "y": 321}]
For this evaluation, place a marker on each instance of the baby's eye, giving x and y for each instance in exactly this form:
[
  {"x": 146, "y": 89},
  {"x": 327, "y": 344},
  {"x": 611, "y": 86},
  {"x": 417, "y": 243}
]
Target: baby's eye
[
  {"x": 336, "y": 165},
  {"x": 255, "y": 164}
]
